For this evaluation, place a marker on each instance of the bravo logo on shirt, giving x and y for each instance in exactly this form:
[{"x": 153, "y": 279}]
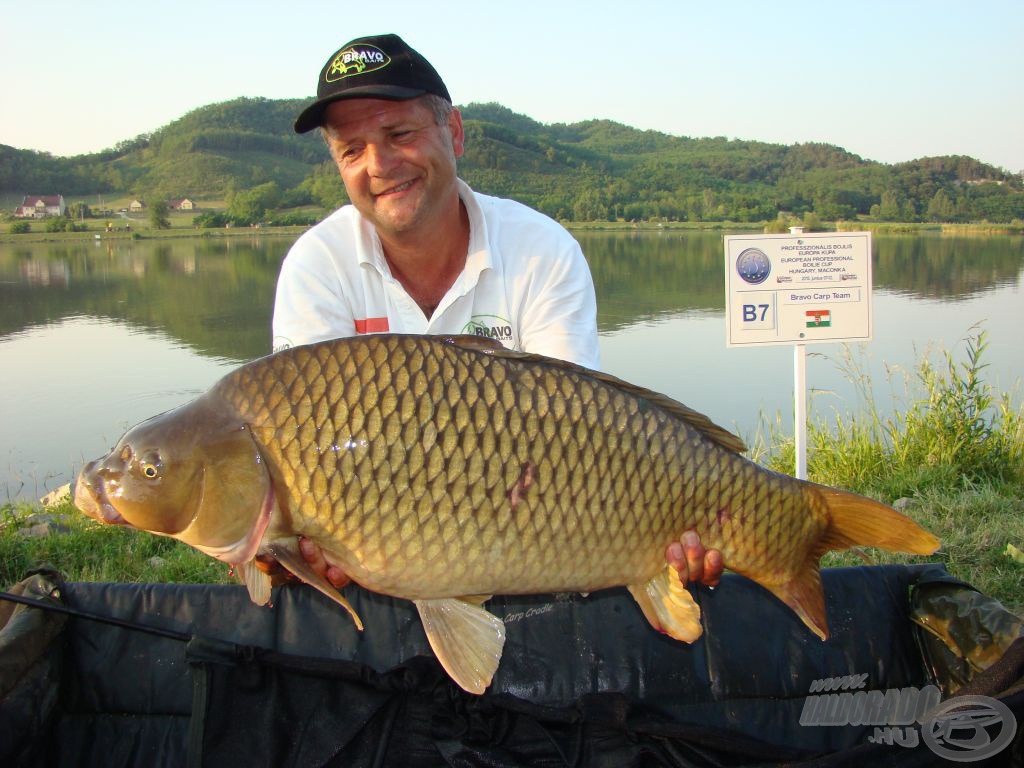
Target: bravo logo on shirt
[{"x": 491, "y": 326}]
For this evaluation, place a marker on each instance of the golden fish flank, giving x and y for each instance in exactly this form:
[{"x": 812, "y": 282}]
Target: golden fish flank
[{"x": 438, "y": 469}]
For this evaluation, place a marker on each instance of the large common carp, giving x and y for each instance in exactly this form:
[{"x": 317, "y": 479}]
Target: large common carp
[{"x": 444, "y": 470}]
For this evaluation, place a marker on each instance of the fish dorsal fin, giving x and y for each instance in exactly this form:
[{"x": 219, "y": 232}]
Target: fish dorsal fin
[
  {"x": 466, "y": 639},
  {"x": 288, "y": 555},
  {"x": 698, "y": 421},
  {"x": 669, "y": 606},
  {"x": 256, "y": 581}
]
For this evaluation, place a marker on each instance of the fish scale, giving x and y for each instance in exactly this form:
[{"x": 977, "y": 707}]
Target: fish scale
[
  {"x": 544, "y": 429},
  {"x": 441, "y": 468}
]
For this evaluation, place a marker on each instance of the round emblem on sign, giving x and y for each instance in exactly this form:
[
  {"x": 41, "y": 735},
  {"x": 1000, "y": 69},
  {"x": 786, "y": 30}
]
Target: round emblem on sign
[{"x": 753, "y": 266}]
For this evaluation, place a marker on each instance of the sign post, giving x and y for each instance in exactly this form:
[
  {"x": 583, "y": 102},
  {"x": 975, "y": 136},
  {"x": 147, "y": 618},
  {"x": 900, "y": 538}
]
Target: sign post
[{"x": 798, "y": 289}]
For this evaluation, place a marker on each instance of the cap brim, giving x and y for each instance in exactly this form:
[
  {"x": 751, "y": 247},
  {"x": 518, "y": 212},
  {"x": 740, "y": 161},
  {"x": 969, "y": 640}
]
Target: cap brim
[{"x": 313, "y": 115}]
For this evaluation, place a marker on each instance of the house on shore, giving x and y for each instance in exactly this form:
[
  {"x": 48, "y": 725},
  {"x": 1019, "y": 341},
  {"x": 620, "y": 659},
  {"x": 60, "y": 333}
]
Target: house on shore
[
  {"x": 182, "y": 204},
  {"x": 40, "y": 206},
  {"x": 136, "y": 206}
]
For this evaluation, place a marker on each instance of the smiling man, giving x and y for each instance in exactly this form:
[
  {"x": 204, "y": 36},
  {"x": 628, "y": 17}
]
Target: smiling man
[{"x": 418, "y": 251}]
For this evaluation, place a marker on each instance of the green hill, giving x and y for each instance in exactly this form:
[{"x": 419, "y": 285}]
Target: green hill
[{"x": 592, "y": 170}]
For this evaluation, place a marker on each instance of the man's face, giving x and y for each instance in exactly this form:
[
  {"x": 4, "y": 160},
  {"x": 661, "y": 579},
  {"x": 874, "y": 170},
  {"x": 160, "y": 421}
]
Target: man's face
[{"x": 397, "y": 163}]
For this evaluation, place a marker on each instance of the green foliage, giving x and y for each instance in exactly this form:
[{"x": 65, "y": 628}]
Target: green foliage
[
  {"x": 962, "y": 428},
  {"x": 812, "y": 223},
  {"x": 89, "y": 551},
  {"x": 251, "y": 206},
  {"x": 953, "y": 434},
  {"x": 324, "y": 186},
  {"x": 940, "y": 207},
  {"x": 19, "y": 228},
  {"x": 211, "y": 220},
  {"x": 158, "y": 215},
  {"x": 595, "y": 170},
  {"x": 78, "y": 211}
]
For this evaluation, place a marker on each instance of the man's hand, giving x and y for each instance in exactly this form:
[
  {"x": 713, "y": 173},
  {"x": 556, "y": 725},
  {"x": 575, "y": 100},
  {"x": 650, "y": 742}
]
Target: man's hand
[
  {"x": 693, "y": 562},
  {"x": 314, "y": 556},
  {"x": 315, "y": 559}
]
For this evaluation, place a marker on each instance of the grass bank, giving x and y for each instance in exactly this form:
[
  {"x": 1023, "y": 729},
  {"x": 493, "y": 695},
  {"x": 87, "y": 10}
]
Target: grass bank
[{"x": 952, "y": 456}]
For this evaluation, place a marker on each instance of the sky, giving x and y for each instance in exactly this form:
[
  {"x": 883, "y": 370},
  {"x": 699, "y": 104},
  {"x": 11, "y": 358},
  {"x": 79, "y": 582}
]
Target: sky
[{"x": 889, "y": 81}]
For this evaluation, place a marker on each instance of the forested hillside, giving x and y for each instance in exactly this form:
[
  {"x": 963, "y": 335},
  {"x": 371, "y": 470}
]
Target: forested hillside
[{"x": 593, "y": 170}]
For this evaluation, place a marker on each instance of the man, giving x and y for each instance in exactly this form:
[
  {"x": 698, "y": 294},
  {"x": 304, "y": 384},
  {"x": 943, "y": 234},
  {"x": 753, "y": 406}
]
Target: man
[{"x": 418, "y": 251}]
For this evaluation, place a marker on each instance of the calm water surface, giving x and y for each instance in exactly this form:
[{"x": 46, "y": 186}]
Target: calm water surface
[{"x": 98, "y": 336}]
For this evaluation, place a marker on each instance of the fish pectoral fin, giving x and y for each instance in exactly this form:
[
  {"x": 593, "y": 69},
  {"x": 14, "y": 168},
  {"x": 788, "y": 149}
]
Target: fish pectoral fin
[
  {"x": 466, "y": 639},
  {"x": 256, "y": 581},
  {"x": 804, "y": 594},
  {"x": 669, "y": 606},
  {"x": 288, "y": 555}
]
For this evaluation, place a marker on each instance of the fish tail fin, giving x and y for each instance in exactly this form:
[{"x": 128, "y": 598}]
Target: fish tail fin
[
  {"x": 859, "y": 521},
  {"x": 853, "y": 521}
]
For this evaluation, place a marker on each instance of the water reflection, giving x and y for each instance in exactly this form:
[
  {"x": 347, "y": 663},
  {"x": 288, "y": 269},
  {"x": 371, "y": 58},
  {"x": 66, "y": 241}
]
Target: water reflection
[{"x": 213, "y": 295}]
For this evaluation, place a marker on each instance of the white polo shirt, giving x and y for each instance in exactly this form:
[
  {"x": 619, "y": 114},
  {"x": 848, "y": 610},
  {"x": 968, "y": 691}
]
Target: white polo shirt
[{"x": 525, "y": 284}]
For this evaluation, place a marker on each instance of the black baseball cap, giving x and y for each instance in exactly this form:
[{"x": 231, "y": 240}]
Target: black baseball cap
[{"x": 378, "y": 66}]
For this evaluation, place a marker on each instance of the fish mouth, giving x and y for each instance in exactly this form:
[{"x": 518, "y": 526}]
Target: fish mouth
[{"x": 91, "y": 498}]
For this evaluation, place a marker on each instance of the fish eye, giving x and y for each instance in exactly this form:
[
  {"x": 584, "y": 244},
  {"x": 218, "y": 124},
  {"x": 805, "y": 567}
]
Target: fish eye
[{"x": 149, "y": 465}]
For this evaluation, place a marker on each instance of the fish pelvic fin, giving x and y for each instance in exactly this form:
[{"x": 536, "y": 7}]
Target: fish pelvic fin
[
  {"x": 287, "y": 553},
  {"x": 256, "y": 581},
  {"x": 804, "y": 594},
  {"x": 860, "y": 521},
  {"x": 669, "y": 606},
  {"x": 466, "y": 639}
]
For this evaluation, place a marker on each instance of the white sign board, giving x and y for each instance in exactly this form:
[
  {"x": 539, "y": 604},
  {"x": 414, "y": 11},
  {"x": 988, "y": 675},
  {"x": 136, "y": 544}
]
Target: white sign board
[{"x": 797, "y": 289}]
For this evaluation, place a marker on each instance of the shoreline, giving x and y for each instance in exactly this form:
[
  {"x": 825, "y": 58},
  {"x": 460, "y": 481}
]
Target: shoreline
[{"x": 882, "y": 228}]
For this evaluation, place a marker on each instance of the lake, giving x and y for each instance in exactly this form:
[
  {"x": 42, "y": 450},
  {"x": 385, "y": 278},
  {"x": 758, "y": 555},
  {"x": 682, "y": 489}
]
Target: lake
[{"x": 97, "y": 336}]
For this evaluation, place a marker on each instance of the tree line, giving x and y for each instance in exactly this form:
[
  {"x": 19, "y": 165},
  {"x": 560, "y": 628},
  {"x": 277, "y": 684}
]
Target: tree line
[{"x": 245, "y": 151}]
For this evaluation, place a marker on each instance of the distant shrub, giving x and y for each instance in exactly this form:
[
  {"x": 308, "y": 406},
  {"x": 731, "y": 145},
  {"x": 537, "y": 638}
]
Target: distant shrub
[
  {"x": 293, "y": 219},
  {"x": 58, "y": 224},
  {"x": 19, "y": 228},
  {"x": 210, "y": 220}
]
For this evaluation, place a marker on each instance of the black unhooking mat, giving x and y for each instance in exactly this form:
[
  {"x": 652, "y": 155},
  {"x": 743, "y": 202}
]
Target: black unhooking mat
[{"x": 583, "y": 681}]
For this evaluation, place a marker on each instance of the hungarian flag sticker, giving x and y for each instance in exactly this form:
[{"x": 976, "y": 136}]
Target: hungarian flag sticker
[{"x": 818, "y": 318}]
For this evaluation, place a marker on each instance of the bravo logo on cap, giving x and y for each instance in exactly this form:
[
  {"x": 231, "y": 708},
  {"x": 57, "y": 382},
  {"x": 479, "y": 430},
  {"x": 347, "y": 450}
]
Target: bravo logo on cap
[{"x": 355, "y": 60}]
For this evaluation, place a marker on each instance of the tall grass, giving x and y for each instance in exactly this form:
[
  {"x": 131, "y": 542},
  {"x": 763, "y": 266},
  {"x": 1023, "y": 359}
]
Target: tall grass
[{"x": 952, "y": 432}]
